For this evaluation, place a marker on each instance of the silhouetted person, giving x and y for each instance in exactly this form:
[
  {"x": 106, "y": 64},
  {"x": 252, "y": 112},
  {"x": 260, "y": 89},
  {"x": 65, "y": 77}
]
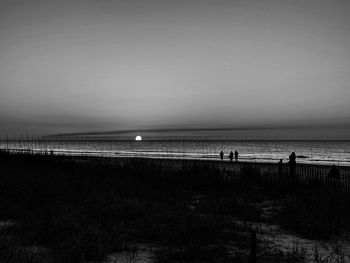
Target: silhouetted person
[
  {"x": 334, "y": 172},
  {"x": 292, "y": 163},
  {"x": 236, "y": 156},
  {"x": 222, "y": 155},
  {"x": 231, "y": 156}
]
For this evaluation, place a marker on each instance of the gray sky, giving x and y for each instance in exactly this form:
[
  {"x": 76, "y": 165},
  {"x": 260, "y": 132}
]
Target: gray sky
[{"x": 77, "y": 66}]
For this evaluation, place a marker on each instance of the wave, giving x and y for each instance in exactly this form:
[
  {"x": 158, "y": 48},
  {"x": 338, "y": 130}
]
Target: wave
[{"x": 321, "y": 152}]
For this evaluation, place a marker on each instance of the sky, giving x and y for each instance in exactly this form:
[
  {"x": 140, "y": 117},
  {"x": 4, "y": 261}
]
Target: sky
[{"x": 237, "y": 69}]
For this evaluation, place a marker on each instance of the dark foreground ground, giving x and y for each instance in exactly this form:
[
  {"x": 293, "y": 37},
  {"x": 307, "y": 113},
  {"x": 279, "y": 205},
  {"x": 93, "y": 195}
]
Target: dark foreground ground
[{"x": 62, "y": 209}]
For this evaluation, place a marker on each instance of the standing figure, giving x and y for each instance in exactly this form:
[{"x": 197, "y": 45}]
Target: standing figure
[
  {"x": 292, "y": 163},
  {"x": 236, "y": 156},
  {"x": 231, "y": 156},
  {"x": 222, "y": 155}
]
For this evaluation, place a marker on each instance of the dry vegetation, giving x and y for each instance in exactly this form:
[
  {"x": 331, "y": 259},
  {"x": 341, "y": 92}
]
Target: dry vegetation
[{"x": 66, "y": 210}]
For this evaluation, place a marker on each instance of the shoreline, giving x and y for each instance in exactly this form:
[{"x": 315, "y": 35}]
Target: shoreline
[
  {"x": 324, "y": 153},
  {"x": 317, "y": 153},
  {"x": 179, "y": 163}
]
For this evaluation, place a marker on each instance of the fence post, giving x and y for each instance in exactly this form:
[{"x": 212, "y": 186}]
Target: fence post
[
  {"x": 188, "y": 225},
  {"x": 253, "y": 247}
]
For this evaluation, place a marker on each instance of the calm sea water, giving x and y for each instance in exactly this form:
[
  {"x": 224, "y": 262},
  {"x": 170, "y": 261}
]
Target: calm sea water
[{"x": 324, "y": 152}]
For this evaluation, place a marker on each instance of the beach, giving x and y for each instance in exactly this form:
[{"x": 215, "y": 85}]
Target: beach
[
  {"x": 162, "y": 131},
  {"x": 270, "y": 151},
  {"x": 99, "y": 209}
]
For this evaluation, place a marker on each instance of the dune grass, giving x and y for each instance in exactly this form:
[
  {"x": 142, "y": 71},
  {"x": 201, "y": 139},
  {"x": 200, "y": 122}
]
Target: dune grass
[
  {"x": 85, "y": 211},
  {"x": 82, "y": 210}
]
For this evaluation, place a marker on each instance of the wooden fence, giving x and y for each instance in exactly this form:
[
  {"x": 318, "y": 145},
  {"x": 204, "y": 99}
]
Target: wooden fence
[
  {"x": 268, "y": 173},
  {"x": 306, "y": 175}
]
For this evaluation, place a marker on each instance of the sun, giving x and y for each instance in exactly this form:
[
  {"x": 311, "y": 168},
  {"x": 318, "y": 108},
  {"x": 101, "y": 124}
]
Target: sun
[{"x": 138, "y": 138}]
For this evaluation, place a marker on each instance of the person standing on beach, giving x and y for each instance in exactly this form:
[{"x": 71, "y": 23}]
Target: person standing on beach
[
  {"x": 222, "y": 155},
  {"x": 231, "y": 156},
  {"x": 292, "y": 163},
  {"x": 236, "y": 156}
]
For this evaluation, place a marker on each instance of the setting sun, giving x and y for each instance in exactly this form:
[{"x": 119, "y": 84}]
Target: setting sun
[{"x": 138, "y": 138}]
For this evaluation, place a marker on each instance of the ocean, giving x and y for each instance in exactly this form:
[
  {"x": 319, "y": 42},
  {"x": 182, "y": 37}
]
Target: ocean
[{"x": 316, "y": 152}]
